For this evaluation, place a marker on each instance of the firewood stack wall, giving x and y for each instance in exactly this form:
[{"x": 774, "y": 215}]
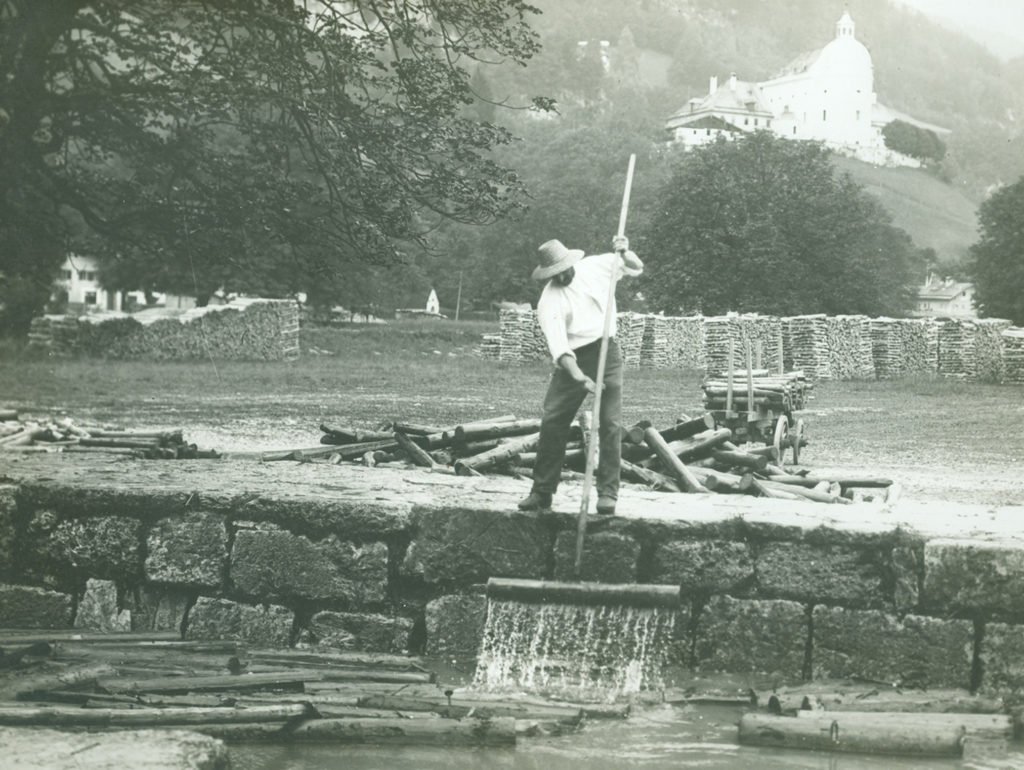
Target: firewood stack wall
[
  {"x": 1013, "y": 355},
  {"x": 763, "y": 332},
  {"x": 903, "y": 346},
  {"x": 673, "y": 342},
  {"x": 849, "y": 345},
  {"x": 806, "y": 346},
  {"x": 988, "y": 349},
  {"x": 972, "y": 350},
  {"x": 261, "y": 330},
  {"x": 630, "y": 335}
]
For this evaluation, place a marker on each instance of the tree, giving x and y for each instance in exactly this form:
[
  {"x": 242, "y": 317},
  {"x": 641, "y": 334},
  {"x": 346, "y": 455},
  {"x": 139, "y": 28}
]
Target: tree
[
  {"x": 920, "y": 143},
  {"x": 255, "y": 145},
  {"x": 997, "y": 259},
  {"x": 762, "y": 224}
]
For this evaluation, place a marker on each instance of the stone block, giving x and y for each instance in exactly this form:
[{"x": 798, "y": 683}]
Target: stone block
[
  {"x": 752, "y": 637},
  {"x": 104, "y": 547},
  {"x": 190, "y": 550},
  {"x": 704, "y": 566},
  {"x": 159, "y": 608},
  {"x": 608, "y": 557},
  {"x": 978, "y": 578},
  {"x": 822, "y": 573},
  {"x": 908, "y": 568},
  {"x": 271, "y": 563},
  {"x": 358, "y": 517},
  {"x": 1002, "y": 659},
  {"x": 98, "y": 609},
  {"x": 30, "y": 607},
  {"x": 459, "y": 546},
  {"x": 455, "y": 626},
  {"x": 267, "y": 626},
  {"x": 359, "y": 631},
  {"x": 916, "y": 651},
  {"x": 8, "y": 530}
]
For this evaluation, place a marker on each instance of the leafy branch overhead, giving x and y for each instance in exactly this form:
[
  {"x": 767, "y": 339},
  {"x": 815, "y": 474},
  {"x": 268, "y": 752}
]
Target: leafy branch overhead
[{"x": 248, "y": 144}]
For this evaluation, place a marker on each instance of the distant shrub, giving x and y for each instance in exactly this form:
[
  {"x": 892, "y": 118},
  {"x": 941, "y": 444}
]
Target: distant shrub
[{"x": 920, "y": 143}]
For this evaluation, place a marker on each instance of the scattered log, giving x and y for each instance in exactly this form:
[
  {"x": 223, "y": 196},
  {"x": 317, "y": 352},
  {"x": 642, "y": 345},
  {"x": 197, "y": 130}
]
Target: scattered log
[
  {"x": 501, "y": 453},
  {"x": 634, "y": 434},
  {"x": 678, "y": 470},
  {"x": 417, "y": 455},
  {"x": 25, "y": 636},
  {"x": 415, "y": 429},
  {"x": 833, "y": 733},
  {"x": 720, "y": 481},
  {"x": 653, "y": 479},
  {"x": 367, "y": 659},
  {"x": 688, "y": 428},
  {"x": 28, "y": 688},
  {"x": 810, "y": 494},
  {"x": 467, "y": 433},
  {"x": 741, "y": 459},
  {"x": 776, "y": 492},
  {"x": 57, "y": 716},
  {"x": 928, "y": 701},
  {"x": 573, "y": 454},
  {"x": 336, "y": 434}
]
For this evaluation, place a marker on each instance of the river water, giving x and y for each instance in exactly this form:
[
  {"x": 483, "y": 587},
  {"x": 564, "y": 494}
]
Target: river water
[{"x": 660, "y": 737}]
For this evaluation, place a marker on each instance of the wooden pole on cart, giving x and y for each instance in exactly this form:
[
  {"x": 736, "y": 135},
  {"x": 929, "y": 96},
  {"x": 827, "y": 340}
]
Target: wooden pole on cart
[
  {"x": 728, "y": 379},
  {"x": 588, "y": 478},
  {"x": 751, "y": 410}
]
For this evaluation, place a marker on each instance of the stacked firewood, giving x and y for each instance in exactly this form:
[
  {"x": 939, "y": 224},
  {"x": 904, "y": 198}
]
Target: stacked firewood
[
  {"x": 686, "y": 342},
  {"x": 656, "y": 348},
  {"x": 780, "y": 393},
  {"x": 902, "y": 346},
  {"x": 849, "y": 345},
  {"x": 988, "y": 349},
  {"x": 629, "y": 334},
  {"x": 806, "y": 345},
  {"x": 109, "y": 681},
  {"x": 521, "y": 337},
  {"x": 64, "y": 435},
  {"x": 691, "y": 456},
  {"x": 1013, "y": 356}
]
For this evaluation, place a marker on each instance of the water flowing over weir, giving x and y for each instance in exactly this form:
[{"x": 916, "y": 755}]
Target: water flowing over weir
[{"x": 573, "y": 650}]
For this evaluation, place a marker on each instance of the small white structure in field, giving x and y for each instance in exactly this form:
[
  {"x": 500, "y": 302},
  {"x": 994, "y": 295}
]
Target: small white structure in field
[{"x": 433, "y": 306}]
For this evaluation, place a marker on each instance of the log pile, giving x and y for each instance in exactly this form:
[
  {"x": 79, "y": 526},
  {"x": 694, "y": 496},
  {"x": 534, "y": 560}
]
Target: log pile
[
  {"x": 972, "y": 350},
  {"x": 849, "y": 346},
  {"x": 521, "y": 337},
  {"x": 686, "y": 342},
  {"x": 630, "y": 336},
  {"x": 988, "y": 349},
  {"x": 53, "y": 435},
  {"x": 690, "y": 456},
  {"x": 490, "y": 347},
  {"x": 656, "y": 348},
  {"x": 224, "y": 689},
  {"x": 781, "y": 393},
  {"x": 1013, "y": 355},
  {"x": 763, "y": 334},
  {"x": 806, "y": 345},
  {"x": 902, "y": 346}
]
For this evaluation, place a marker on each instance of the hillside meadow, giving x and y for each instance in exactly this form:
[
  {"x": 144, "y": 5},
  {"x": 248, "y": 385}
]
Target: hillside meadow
[{"x": 941, "y": 439}]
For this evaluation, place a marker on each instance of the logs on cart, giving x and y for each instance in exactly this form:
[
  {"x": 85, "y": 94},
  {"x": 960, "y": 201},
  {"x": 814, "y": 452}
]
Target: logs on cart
[
  {"x": 119, "y": 681},
  {"x": 62, "y": 434},
  {"x": 693, "y": 456}
]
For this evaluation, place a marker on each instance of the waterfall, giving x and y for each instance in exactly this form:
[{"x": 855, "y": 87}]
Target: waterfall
[{"x": 573, "y": 650}]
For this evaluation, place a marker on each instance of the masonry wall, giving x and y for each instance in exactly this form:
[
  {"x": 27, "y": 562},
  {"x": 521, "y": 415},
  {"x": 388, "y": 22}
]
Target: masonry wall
[{"x": 763, "y": 594}]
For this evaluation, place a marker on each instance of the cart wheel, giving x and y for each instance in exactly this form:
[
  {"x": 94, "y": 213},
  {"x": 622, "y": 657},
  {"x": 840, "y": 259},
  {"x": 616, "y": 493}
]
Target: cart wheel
[
  {"x": 797, "y": 440},
  {"x": 781, "y": 435}
]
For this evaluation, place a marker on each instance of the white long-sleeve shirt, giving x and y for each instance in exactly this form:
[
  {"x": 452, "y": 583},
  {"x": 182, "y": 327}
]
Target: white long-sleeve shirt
[{"x": 573, "y": 316}]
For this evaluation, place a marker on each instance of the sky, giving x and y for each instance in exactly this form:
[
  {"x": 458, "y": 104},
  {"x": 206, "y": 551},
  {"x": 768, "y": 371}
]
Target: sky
[{"x": 998, "y": 24}]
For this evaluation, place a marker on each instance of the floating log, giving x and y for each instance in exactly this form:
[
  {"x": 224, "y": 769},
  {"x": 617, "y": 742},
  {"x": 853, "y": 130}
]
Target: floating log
[
  {"x": 926, "y": 701},
  {"x": 442, "y": 732},
  {"x": 501, "y": 453},
  {"x": 833, "y": 733},
  {"x": 184, "y": 684},
  {"x": 986, "y": 726},
  {"x": 366, "y": 659},
  {"x": 627, "y": 594},
  {"x": 26, "y": 636},
  {"x": 57, "y": 716},
  {"x": 675, "y": 466},
  {"x": 457, "y": 708}
]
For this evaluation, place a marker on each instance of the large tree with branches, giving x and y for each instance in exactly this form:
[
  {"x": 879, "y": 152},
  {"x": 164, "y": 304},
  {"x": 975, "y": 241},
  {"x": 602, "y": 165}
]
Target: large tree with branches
[{"x": 256, "y": 145}]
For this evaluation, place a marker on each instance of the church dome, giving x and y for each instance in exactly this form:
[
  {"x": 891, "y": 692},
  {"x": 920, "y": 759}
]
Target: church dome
[{"x": 845, "y": 55}]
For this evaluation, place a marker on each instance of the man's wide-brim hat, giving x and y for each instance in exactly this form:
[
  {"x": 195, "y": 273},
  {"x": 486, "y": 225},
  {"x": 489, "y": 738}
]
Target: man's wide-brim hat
[{"x": 554, "y": 258}]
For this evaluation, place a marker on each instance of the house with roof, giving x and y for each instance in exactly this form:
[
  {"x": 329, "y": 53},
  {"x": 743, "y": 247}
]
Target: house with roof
[
  {"x": 945, "y": 298},
  {"x": 826, "y": 95}
]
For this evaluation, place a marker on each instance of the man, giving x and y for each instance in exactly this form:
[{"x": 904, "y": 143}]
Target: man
[{"x": 571, "y": 312}]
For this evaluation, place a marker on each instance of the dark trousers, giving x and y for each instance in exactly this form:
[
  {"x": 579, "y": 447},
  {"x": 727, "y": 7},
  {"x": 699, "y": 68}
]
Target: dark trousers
[{"x": 561, "y": 403}]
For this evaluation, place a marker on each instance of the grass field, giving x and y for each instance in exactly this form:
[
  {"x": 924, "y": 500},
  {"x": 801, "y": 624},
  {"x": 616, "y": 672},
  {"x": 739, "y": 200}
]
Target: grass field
[{"x": 943, "y": 439}]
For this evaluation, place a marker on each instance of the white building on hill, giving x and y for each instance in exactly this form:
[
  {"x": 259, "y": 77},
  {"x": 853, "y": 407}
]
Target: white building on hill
[
  {"x": 825, "y": 95},
  {"x": 946, "y": 298}
]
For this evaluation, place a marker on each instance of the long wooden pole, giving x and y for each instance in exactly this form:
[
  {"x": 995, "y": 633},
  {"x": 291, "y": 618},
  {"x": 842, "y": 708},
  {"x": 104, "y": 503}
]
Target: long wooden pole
[{"x": 588, "y": 478}]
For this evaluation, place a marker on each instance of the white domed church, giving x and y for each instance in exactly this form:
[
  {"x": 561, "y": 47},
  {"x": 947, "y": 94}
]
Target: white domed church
[{"x": 825, "y": 95}]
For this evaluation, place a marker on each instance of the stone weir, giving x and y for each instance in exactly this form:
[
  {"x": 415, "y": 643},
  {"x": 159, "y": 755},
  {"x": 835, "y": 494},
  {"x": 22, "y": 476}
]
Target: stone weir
[{"x": 923, "y": 593}]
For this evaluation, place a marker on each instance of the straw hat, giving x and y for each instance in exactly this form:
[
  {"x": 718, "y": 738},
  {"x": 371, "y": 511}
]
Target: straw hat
[{"x": 554, "y": 258}]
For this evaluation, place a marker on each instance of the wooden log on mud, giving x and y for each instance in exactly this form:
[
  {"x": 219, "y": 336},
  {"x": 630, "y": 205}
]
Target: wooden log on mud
[
  {"x": 739, "y": 458},
  {"x": 501, "y": 453},
  {"x": 809, "y": 494},
  {"x": 762, "y": 488},
  {"x": 672, "y": 463},
  {"x": 913, "y": 701},
  {"x": 456, "y": 708},
  {"x": 346, "y": 452},
  {"x": 982, "y": 726},
  {"x": 63, "y": 716},
  {"x": 832, "y": 733},
  {"x": 720, "y": 481},
  {"x": 28, "y": 688},
  {"x": 573, "y": 455},
  {"x": 375, "y": 660},
  {"x": 481, "y": 432},
  {"x": 416, "y": 429},
  {"x": 340, "y": 434}
]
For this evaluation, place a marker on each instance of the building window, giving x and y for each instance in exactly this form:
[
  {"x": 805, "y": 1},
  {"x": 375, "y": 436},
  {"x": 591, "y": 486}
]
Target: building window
[
  {"x": 824, "y": 115},
  {"x": 858, "y": 114},
  {"x": 768, "y": 122},
  {"x": 709, "y": 132},
  {"x": 755, "y": 121},
  {"x": 65, "y": 274},
  {"x": 90, "y": 298},
  {"x": 746, "y": 121},
  {"x": 794, "y": 130}
]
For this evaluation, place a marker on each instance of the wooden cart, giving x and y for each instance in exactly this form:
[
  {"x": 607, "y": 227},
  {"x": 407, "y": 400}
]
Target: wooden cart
[{"x": 758, "y": 405}]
